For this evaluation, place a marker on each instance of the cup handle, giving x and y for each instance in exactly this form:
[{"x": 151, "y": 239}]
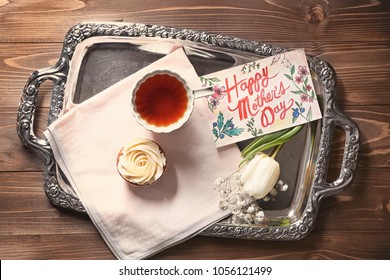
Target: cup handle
[{"x": 203, "y": 92}]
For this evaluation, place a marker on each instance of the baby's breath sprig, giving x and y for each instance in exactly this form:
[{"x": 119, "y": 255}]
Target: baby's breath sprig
[{"x": 244, "y": 207}]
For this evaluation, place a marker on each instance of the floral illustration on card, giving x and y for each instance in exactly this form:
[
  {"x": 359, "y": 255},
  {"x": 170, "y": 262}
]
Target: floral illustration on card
[
  {"x": 252, "y": 127},
  {"x": 301, "y": 83},
  {"x": 222, "y": 128},
  {"x": 249, "y": 67},
  {"x": 300, "y": 111},
  {"x": 219, "y": 92}
]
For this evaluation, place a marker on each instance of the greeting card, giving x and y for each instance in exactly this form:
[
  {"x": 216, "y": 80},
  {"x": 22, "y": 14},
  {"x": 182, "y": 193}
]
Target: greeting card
[{"x": 260, "y": 97}]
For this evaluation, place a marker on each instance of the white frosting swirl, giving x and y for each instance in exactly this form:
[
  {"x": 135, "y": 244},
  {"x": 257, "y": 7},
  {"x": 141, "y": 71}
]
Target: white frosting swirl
[{"x": 141, "y": 161}]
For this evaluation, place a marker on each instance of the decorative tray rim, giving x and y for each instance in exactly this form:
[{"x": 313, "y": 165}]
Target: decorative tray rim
[{"x": 332, "y": 117}]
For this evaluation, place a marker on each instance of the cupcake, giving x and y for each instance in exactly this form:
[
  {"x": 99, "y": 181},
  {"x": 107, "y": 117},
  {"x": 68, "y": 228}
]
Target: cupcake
[{"x": 141, "y": 162}]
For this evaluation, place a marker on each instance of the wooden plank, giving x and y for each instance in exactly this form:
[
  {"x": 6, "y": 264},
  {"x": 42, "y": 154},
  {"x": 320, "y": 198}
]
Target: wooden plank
[
  {"x": 17, "y": 63},
  {"x": 56, "y": 246},
  {"x": 362, "y": 73},
  {"x": 329, "y": 245},
  {"x": 271, "y": 21},
  {"x": 14, "y": 156}
]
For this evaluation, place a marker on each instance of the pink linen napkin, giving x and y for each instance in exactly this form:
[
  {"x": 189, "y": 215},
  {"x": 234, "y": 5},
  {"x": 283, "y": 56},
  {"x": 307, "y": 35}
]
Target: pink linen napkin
[{"x": 137, "y": 223}]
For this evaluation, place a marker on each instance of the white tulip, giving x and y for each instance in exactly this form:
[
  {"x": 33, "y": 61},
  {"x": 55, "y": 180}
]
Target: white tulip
[{"x": 260, "y": 175}]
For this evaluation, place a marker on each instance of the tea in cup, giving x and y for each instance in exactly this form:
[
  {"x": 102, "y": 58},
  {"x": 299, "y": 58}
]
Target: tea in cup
[{"x": 162, "y": 101}]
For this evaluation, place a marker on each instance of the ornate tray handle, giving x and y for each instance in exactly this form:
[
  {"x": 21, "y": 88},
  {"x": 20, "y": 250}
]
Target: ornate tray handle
[
  {"x": 25, "y": 129},
  {"x": 27, "y": 106},
  {"x": 335, "y": 118}
]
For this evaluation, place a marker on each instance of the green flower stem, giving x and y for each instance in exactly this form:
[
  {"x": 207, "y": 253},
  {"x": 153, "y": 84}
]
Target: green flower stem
[
  {"x": 300, "y": 89},
  {"x": 262, "y": 140},
  {"x": 286, "y": 136},
  {"x": 282, "y": 223},
  {"x": 278, "y": 148}
]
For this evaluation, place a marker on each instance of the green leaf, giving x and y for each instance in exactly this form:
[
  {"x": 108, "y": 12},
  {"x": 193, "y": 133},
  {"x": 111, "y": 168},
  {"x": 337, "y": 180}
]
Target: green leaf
[
  {"x": 296, "y": 91},
  {"x": 227, "y": 124},
  {"x": 309, "y": 115},
  {"x": 292, "y": 70},
  {"x": 306, "y": 80},
  {"x": 255, "y": 132},
  {"x": 210, "y": 107},
  {"x": 268, "y": 141},
  {"x": 294, "y": 119},
  {"x": 297, "y": 104},
  {"x": 215, "y": 80},
  {"x": 215, "y": 132},
  {"x": 233, "y": 132},
  {"x": 220, "y": 120},
  {"x": 288, "y": 77}
]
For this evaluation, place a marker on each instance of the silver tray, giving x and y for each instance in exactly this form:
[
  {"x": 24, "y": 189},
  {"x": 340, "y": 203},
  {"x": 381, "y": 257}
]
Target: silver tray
[{"x": 96, "y": 55}]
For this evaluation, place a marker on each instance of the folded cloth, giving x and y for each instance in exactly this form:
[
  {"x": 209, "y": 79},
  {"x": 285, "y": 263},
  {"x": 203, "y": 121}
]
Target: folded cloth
[{"x": 139, "y": 222}]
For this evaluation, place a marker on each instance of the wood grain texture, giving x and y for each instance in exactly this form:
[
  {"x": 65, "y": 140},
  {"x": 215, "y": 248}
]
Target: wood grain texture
[
  {"x": 261, "y": 20},
  {"x": 352, "y": 35},
  {"x": 14, "y": 156},
  {"x": 17, "y": 62},
  {"x": 330, "y": 245}
]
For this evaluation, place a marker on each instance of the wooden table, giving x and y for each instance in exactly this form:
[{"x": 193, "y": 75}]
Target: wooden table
[{"x": 354, "y": 36}]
